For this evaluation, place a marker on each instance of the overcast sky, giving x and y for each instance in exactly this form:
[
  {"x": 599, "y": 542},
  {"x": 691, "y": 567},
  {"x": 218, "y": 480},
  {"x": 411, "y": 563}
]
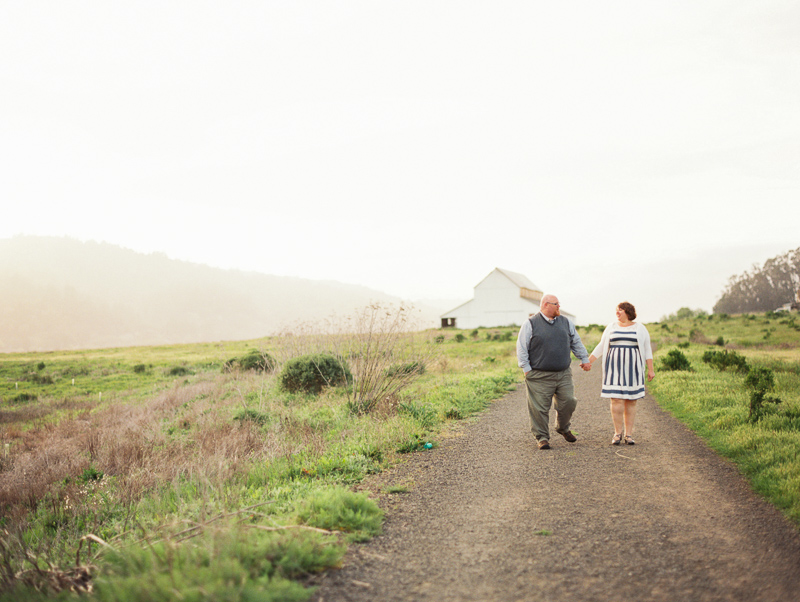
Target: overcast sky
[{"x": 610, "y": 151}]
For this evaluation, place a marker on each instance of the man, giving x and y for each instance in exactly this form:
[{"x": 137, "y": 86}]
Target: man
[{"x": 543, "y": 352}]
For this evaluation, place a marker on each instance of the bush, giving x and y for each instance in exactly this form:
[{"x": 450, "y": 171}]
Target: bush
[
  {"x": 40, "y": 379},
  {"x": 139, "y": 368},
  {"x": 178, "y": 371},
  {"x": 91, "y": 474},
  {"x": 312, "y": 373},
  {"x": 722, "y": 360},
  {"x": 460, "y": 338},
  {"x": 253, "y": 416},
  {"x": 223, "y": 564},
  {"x": 696, "y": 336},
  {"x": 720, "y": 341},
  {"x": 259, "y": 361},
  {"x": 385, "y": 352},
  {"x": 339, "y": 509},
  {"x": 760, "y": 381},
  {"x": 675, "y": 360}
]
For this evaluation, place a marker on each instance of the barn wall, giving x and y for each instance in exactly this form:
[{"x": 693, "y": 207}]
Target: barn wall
[{"x": 496, "y": 302}]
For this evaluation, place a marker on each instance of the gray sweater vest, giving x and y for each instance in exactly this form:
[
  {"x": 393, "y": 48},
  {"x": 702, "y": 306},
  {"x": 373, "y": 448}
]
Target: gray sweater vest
[{"x": 549, "y": 347}]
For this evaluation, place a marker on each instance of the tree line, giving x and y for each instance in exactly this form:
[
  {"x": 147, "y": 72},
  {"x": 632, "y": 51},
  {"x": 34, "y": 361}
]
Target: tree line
[{"x": 763, "y": 288}]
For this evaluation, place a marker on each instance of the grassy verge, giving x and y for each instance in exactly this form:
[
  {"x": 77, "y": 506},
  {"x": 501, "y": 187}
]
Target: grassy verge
[
  {"x": 158, "y": 470},
  {"x": 133, "y": 474},
  {"x": 715, "y": 403}
]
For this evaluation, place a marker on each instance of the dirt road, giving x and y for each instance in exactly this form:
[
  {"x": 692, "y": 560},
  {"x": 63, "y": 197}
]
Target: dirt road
[{"x": 490, "y": 517}]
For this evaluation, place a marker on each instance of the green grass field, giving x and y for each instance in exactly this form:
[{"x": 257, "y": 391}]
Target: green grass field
[
  {"x": 144, "y": 471},
  {"x": 143, "y": 467},
  {"x": 715, "y": 403}
]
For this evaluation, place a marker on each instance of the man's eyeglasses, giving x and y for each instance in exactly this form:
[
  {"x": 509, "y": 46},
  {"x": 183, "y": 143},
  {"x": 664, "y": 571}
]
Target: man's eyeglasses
[{"x": 551, "y": 303}]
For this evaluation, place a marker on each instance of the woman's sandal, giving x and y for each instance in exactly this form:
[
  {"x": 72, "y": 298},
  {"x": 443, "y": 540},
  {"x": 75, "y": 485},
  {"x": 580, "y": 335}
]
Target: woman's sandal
[
  {"x": 629, "y": 440},
  {"x": 617, "y": 438}
]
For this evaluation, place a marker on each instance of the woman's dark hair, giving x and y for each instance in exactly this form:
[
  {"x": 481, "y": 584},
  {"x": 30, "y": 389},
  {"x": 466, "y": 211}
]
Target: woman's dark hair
[{"x": 629, "y": 310}]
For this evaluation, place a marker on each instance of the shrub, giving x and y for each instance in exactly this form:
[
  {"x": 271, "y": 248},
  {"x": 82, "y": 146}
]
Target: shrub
[
  {"x": 339, "y": 509},
  {"x": 696, "y": 336},
  {"x": 675, "y": 360},
  {"x": 40, "y": 366},
  {"x": 39, "y": 379},
  {"x": 720, "y": 341},
  {"x": 760, "y": 381},
  {"x": 139, "y": 368},
  {"x": 178, "y": 371},
  {"x": 260, "y": 361},
  {"x": 23, "y": 397},
  {"x": 439, "y": 338},
  {"x": 312, "y": 373},
  {"x": 385, "y": 354},
  {"x": 220, "y": 564},
  {"x": 722, "y": 360},
  {"x": 91, "y": 474},
  {"x": 253, "y": 416},
  {"x": 474, "y": 334},
  {"x": 460, "y": 338}
]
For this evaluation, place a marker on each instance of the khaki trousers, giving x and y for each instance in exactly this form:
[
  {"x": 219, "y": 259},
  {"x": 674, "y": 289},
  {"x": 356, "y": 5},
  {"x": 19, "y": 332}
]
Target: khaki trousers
[{"x": 546, "y": 389}]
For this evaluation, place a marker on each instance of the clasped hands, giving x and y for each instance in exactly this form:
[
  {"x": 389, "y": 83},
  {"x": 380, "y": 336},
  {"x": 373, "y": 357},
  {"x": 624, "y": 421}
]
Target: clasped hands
[{"x": 586, "y": 367}]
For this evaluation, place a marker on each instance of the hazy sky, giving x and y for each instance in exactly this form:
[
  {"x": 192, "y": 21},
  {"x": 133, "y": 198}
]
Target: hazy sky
[{"x": 610, "y": 151}]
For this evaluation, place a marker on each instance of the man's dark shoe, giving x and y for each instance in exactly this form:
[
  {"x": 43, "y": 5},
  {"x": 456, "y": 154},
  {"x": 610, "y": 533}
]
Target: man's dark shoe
[
  {"x": 569, "y": 436},
  {"x": 544, "y": 444}
]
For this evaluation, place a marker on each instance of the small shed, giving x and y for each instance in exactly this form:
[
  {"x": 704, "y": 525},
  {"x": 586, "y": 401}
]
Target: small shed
[{"x": 503, "y": 298}]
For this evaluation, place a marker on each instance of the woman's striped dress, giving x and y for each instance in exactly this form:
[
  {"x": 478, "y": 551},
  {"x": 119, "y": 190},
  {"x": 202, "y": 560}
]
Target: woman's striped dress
[{"x": 623, "y": 372}]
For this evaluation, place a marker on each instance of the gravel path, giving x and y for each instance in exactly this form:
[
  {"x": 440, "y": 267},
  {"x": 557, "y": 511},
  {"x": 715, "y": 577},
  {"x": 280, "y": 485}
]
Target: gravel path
[{"x": 489, "y": 517}]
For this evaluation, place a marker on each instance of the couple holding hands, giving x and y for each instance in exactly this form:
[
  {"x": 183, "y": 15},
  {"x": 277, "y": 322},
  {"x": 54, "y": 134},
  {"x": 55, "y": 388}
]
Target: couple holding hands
[{"x": 543, "y": 352}]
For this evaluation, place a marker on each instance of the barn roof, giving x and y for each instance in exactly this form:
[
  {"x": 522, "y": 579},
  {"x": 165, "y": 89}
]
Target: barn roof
[{"x": 519, "y": 280}]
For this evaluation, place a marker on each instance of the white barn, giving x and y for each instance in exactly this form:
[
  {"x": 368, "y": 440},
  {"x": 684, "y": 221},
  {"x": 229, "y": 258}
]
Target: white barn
[{"x": 502, "y": 298}]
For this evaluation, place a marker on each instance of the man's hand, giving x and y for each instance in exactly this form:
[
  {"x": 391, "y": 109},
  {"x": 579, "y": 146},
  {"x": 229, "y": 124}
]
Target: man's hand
[{"x": 586, "y": 367}]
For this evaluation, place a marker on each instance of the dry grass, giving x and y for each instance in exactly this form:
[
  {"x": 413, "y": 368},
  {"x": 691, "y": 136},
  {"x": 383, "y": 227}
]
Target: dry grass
[{"x": 185, "y": 430}]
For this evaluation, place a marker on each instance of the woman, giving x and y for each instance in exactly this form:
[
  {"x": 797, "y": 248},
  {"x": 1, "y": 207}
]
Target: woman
[{"x": 625, "y": 349}]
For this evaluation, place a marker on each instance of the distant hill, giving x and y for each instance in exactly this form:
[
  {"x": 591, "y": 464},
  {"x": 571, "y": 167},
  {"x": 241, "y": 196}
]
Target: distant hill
[{"x": 60, "y": 293}]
